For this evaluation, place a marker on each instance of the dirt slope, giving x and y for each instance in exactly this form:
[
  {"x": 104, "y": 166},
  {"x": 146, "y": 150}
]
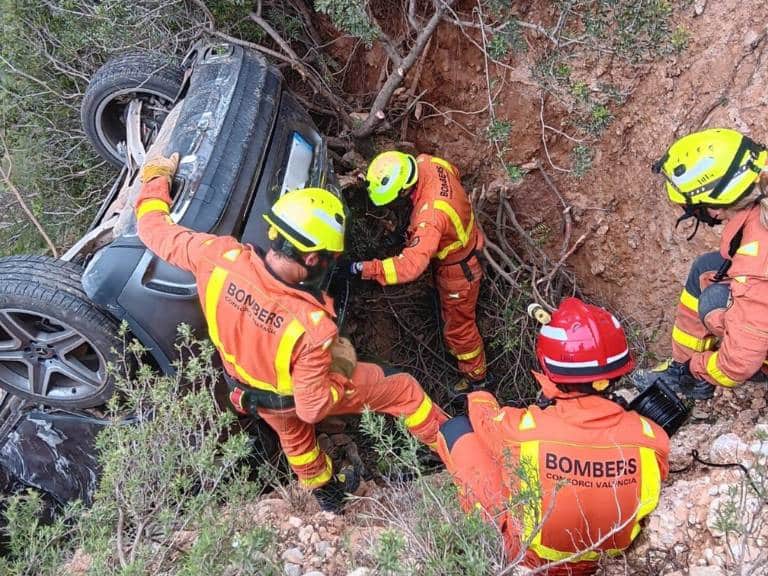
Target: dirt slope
[{"x": 634, "y": 257}]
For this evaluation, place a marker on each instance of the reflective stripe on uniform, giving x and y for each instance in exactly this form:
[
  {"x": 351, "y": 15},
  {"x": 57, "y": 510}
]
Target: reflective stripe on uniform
[
  {"x": 284, "y": 384},
  {"x": 650, "y": 487},
  {"x": 530, "y": 489},
  {"x": 462, "y": 233},
  {"x": 306, "y": 458},
  {"x": 152, "y": 205},
  {"x": 718, "y": 375},
  {"x": 647, "y": 428},
  {"x": 526, "y": 422},
  {"x": 689, "y": 301},
  {"x": 685, "y": 339},
  {"x": 390, "y": 273},
  {"x": 283, "y": 357},
  {"x": 319, "y": 479},
  {"x": 469, "y": 355},
  {"x": 444, "y": 163},
  {"x": 421, "y": 413}
]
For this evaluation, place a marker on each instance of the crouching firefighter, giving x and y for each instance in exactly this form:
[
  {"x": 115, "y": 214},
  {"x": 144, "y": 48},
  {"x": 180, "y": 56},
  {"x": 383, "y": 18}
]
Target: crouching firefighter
[
  {"x": 567, "y": 480},
  {"x": 273, "y": 325},
  {"x": 442, "y": 231},
  {"x": 720, "y": 336}
]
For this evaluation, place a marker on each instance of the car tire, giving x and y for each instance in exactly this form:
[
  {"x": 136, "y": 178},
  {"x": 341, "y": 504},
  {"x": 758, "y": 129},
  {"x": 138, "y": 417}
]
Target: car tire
[
  {"x": 55, "y": 344},
  {"x": 154, "y": 78}
]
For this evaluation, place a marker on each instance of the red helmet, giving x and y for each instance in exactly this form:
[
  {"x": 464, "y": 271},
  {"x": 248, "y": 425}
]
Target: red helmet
[{"x": 582, "y": 344}]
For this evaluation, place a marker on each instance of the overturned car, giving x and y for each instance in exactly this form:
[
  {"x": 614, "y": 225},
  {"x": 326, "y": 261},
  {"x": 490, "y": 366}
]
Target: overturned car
[{"x": 244, "y": 140}]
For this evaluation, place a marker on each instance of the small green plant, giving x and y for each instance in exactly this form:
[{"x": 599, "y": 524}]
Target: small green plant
[
  {"x": 680, "y": 39},
  {"x": 515, "y": 173},
  {"x": 581, "y": 160},
  {"x": 388, "y": 552},
  {"x": 580, "y": 91},
  {"x": 350, "y": 16},
  {"x": 598, "y": 119},
  {"x": 498, "y": 131}
]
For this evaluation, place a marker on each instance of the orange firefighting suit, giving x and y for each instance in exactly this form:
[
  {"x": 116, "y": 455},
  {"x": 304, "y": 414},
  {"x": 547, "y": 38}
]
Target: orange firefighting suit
[
  {"x": 742, "y": 327},
  {"x": 275, "y": 339},
  {"x": 576, "y": 476},
  {"x": 442, "y": 230}
]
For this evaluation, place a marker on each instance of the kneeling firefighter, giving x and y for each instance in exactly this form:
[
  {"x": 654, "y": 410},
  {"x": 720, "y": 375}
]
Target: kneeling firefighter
[
  {"x": 720, "y": 336},
  {"x": 272, "y": 323},
  {"x": 573, "y": 476},
  {"x": 442, "y": 232}
]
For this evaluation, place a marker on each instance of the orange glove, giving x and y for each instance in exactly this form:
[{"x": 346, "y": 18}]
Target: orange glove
[{"x": 158, "y": 165}]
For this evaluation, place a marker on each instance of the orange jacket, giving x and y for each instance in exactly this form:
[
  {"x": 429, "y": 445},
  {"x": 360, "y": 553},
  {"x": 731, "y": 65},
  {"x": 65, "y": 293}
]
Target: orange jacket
[
  {"x": 599, "y": 468},
  {"x": 442, "y": 226},
  {"x": 744, "y": 344},
  {"x": 271, "y": 336}
]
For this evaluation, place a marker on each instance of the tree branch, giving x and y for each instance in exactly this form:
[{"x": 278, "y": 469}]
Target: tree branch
[{"x": 376, "y": 114}]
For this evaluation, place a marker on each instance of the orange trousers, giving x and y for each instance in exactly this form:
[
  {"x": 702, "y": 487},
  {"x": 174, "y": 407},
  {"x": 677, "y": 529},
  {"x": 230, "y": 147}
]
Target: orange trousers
[
  {"x": 397, "y": 394},
  {"x": 458, "y": 302}
]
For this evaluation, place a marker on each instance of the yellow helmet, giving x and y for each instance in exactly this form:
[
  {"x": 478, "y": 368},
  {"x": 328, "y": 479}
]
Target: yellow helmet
[
  {"x": 388, "y": 174},
  {"x": 310, "y": 219},
  {"x": 715, "y": 167}
]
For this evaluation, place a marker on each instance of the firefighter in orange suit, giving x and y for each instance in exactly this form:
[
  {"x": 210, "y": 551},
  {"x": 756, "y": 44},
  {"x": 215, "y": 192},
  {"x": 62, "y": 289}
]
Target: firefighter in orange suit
[
  {"x": 442, "y": 231},
  {"x": 720, "y": 336},
  {"x": 275, "y": 332},
  {"x": 571, "y": 477}
]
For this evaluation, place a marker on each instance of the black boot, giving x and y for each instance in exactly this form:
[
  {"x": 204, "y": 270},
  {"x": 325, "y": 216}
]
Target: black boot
[
  {"x": 464, "y": 386},
  {"x": 677, "y": 376},
  {"x": 332, "y": 495}
]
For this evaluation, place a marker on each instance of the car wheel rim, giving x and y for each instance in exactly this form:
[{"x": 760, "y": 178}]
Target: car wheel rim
[
  {"x": 111, "y": 117},
  {"x": 45, "y": 357}
]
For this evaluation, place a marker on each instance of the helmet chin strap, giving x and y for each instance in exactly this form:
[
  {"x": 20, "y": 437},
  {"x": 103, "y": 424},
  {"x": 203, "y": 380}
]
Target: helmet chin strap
[{"x": 701, "y": 214}]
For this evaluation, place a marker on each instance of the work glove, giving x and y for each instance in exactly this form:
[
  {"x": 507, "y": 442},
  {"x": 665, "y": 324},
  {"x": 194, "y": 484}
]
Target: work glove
[
  {"x": 332, "y": 496},
  {"x": 343, "y": 357},
  {"x": 158, "y": 166}
]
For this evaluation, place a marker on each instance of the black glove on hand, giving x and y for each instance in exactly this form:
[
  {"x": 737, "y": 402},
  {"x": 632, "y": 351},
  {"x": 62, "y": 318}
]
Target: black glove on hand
[{"x": 347, "y": 268}]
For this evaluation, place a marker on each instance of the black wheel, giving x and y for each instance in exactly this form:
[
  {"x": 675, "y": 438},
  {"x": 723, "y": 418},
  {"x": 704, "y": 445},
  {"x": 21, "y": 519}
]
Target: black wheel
[
  {"x": 152, "y": 78},
  {"x": 54, "y": 342}
]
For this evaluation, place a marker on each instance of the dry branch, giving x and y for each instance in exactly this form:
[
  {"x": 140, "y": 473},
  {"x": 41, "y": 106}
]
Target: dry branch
[
  {"x": 380, "y": 103},
  {"x": 5, "y": 175}
]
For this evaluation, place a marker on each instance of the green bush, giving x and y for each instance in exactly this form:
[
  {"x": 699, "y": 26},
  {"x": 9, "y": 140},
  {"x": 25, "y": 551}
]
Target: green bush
[{"x": 173, "y": 490}]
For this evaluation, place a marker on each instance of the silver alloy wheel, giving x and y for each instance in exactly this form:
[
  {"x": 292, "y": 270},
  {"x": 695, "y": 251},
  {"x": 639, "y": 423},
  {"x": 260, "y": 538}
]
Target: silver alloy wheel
[{"x": 44, "y": 356}]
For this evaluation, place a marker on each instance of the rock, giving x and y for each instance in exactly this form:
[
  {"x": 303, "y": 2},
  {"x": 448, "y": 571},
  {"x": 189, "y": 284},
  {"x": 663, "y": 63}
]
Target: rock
[
  {"x": 698, "y": 7},
  {"x": 295, "y": 522},
  {"x": 291, "y": 569},
  {"x": 305, "y": 533},
  {"x": 322, "y": 547},
  {"x": 314, "y": 573},
  {"x": 726, "y": 448},
  {"x": 705, "y": 571},
  {"x": 360, "y": 572},
  {"x": 699, "y": 413},
  {"x": 293, "y": 556}
]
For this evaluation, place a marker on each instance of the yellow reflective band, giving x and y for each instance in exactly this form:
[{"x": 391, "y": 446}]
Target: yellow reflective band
[
  {"x": 231, "y": 255},
  {"x": 283, "y": 357},
  {"x": 334, "y": 395},
  {"x": 685, "y": 339},
  {"x": 421, "y": 414},
  {"x": 284, "y": 349},
  {"x": 444, "y": 163},
  {"x": 469, "y": 355},
  {"x": 461, "y": 233},
  {"x": 650, "y": 486},
  {"x": 526, "y": 422},
  {"x": 530, "y": 486},
  {"x": 718, "y": 375},
  {"x": 152, "y": 205},
  {"x": 647, "y": 430},
  {"x": 740, "y": 279},
  {"x": 306, "y": 458},
  {"x": 689, "y": 301},
  {"x": 321, "y": 478},
  {"x": 749, "y": 249},
  {"x": 212, "y": 294},
  {"x": 390, "y": 273}
]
